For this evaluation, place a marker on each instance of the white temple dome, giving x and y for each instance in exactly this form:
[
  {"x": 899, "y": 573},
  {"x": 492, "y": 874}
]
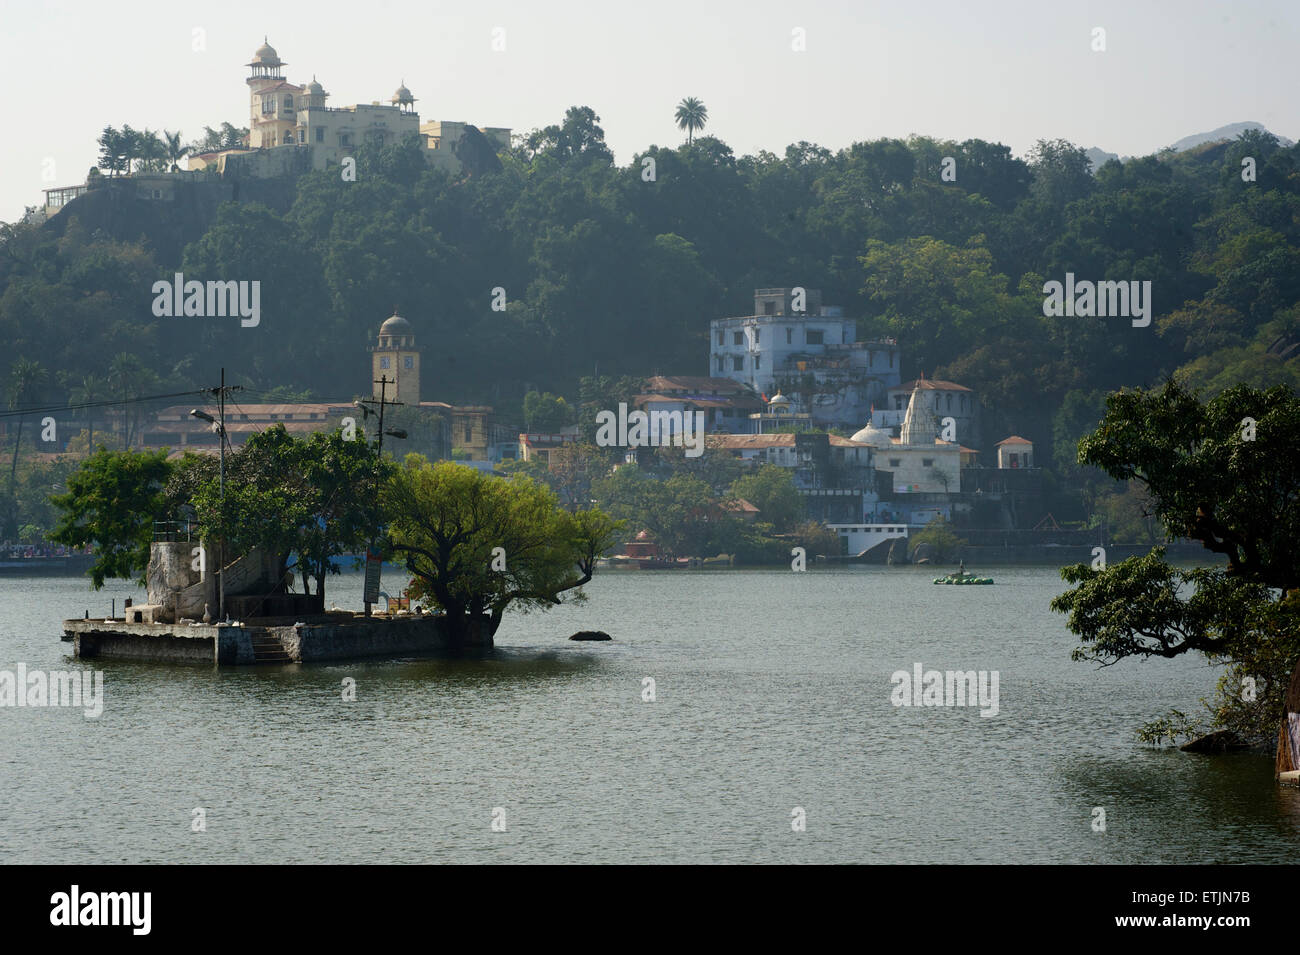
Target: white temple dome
[{"x": 873, "y": 436}]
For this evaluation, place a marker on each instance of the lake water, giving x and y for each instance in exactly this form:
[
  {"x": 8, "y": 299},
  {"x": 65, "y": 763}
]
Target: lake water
[{"x": 772, "y": 692}]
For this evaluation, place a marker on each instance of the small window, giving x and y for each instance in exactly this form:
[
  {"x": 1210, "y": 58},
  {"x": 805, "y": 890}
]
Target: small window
[
  {"x": 383, "y": 362},
  {"x": 721, "y": 366},
  {"x": 320, "y": 134},
  {"x": 927, "y": 462},
  {"x": 469, "y": 433},
  {"x": 737, "y": 363},
  {"x": 814, "y": 337},
  {"x": 895, "y": 462},
  {"x": 410, "y": 362},
  {"x": 758, "y": 362},
  {"x": 789, "y": 336},
  {"x": 720, "y": 338},
  {"x": 769, "y": 308},
  {"x": 737, "y": 338},
  {"x": 288, "y": 103}
]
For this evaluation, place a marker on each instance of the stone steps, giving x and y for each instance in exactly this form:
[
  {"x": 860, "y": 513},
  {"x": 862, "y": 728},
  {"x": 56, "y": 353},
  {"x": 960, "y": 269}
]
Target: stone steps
[{"x": 269, "y": 650}]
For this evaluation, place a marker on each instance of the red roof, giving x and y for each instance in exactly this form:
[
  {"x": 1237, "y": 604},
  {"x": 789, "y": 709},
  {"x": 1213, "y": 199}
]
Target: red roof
[
  {"x": 1014, "y": 439},
  {"x": 695, "y": 384},
  {"x": 930, "y": 384}
]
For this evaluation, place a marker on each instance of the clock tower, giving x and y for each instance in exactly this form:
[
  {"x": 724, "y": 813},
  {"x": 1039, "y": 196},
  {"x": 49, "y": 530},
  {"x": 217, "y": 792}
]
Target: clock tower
[{"x": 396, "y": 358}]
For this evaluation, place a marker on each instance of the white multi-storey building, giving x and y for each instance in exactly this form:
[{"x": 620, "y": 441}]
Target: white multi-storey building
[{"x": 807, "y": 351}]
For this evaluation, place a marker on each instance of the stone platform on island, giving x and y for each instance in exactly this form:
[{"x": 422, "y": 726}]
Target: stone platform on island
[{"x": 338, "y": 636}]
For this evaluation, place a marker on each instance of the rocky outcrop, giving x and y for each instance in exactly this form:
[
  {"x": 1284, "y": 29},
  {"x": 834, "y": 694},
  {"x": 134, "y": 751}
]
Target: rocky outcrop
[{"x": 591, "y": 635}]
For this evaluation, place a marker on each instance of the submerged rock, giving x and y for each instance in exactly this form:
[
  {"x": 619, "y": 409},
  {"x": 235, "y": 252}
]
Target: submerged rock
[
  {"x": 1220, "y": 741},
  {"x": 591, "y": 635}
]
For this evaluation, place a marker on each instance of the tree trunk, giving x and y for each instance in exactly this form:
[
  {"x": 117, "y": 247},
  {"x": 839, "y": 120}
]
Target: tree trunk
[
  {"x": 11, "y": 519},
  {"x": 467, "y": 629},
  {"x": 13, "y": 468}
]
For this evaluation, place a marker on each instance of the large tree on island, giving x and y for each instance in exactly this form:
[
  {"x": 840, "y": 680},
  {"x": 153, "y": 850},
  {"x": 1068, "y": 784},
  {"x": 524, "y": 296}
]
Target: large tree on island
[
  {"x": 314, "y": 496},
  {"x": 447, "y": 521},
  {"x": 112, "y": 500},
  {"x": 1226, "y": 473}
]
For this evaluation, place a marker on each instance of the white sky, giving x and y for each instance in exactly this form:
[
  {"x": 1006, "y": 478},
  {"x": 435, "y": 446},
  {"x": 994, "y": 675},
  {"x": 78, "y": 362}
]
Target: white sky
[{"x": 1004, "y": 71}]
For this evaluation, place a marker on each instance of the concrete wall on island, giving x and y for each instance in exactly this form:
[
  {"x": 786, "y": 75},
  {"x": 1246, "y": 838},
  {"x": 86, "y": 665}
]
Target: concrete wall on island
[
  {"x": 360, "y": 638},
  {"x": 174, "y": 584},
  {"x": 141, "y": 641}
]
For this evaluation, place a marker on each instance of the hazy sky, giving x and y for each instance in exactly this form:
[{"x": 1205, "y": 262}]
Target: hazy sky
[{"x": 1007, "y": 71}]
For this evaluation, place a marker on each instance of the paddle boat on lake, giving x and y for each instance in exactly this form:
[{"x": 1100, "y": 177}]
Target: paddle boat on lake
[{"x": 961, "y": 577}]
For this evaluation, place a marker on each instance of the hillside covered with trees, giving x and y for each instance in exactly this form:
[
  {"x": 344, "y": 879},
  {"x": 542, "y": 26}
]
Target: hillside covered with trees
[{"x": 610, "y": 270}]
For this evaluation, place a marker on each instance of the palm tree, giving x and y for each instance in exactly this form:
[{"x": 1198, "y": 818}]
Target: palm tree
[
  {"x": 25, "y": 377},
  {"x": 152, "y": 152},
  {"x": 133, "y": 379},
  {"x": 173, "y": 148},
  {"x": 92, "y": 388},
  {"x": 691, "y": 115}
]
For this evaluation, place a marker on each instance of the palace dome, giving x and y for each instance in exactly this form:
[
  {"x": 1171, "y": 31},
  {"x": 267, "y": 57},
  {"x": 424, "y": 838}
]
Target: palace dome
[
  {"x": 403, "y": 95},
  {"x": 395, "y": 325},
  {"x": 266, "y": 54},
  {"x": 315, "y": 88}
]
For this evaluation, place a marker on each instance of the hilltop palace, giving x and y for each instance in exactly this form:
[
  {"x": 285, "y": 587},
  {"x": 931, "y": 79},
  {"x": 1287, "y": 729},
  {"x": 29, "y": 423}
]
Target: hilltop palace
[
  {"x": 287, "y": 121},
  {"x": 291, "y": 131}
]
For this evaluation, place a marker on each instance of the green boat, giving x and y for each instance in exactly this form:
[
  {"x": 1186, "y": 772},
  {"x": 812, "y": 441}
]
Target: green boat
[{"x": 961, "y": 577}]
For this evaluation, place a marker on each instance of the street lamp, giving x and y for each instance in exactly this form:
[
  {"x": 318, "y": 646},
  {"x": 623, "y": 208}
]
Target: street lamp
[
  {"x": 366, "y": 412},
  {"x": 219, "y": 427}
]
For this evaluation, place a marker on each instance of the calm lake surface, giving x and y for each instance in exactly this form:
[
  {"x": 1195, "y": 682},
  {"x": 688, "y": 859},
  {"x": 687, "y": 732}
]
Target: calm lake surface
[{"x": 772, "y": 692}]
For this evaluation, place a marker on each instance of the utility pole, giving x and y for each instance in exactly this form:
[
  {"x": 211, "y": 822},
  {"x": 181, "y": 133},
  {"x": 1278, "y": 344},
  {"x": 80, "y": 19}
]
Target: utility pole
[
  {"x": 221, "y": 479},
  {"x": 219, "y": 425},
  {"x": 367, "y": 411}
]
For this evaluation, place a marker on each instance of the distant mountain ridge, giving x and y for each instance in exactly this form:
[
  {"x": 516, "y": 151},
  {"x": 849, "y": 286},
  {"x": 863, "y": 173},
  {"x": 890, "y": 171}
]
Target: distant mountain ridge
[{"x": 1099, "y": 156}]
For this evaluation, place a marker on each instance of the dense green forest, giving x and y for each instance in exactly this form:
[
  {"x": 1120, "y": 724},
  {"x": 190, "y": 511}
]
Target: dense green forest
[{"x": 617, "y": 270}]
